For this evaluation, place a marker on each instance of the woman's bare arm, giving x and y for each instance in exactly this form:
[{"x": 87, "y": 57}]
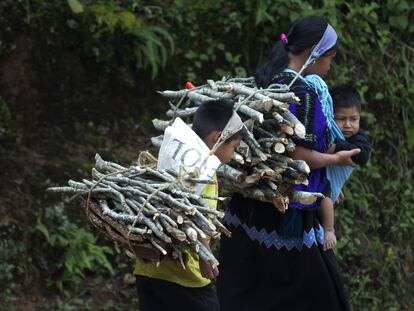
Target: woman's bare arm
[{"x": 317, "y": 159}]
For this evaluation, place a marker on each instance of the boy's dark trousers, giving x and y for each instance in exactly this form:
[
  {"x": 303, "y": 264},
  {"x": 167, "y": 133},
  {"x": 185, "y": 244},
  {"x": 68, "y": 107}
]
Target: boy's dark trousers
[{"x": 159, "y": 295}]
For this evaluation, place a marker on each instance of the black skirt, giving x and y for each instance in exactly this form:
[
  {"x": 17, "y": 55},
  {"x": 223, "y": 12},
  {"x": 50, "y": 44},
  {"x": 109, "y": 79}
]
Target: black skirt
[{"x": 262, "y": 270}]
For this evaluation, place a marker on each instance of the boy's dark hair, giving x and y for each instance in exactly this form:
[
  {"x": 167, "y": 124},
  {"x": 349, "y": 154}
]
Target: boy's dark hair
[
  {"x": 213, "y": 116},
  {"x": 345, "y": 96},
  {"x": 303, "y": 34}
]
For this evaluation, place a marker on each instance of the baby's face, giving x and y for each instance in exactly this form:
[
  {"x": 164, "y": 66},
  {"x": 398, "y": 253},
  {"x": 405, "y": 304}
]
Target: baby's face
[{"x": 347, "y": 120}]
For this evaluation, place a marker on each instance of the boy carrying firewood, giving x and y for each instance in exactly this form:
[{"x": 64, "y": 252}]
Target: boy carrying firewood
[{"x": 166, "y": 285}]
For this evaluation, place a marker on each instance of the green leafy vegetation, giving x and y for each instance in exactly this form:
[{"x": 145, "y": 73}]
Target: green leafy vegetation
[{"x": 79, "y": 252}]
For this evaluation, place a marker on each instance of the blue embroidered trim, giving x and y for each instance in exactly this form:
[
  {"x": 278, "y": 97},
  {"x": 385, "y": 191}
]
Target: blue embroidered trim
[{"x": 314, "y": 236}]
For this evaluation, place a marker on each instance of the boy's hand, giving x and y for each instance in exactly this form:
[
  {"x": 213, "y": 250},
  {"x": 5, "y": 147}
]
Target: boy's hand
[{"x": 207, "y": 270}]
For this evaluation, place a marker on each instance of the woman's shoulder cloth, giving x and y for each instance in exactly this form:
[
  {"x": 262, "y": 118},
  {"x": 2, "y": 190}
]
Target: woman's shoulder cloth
[{"x": 286, "y": 77}]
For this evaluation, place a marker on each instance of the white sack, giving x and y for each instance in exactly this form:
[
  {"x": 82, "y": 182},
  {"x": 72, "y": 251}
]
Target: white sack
[{"x": 182, "y": 147}]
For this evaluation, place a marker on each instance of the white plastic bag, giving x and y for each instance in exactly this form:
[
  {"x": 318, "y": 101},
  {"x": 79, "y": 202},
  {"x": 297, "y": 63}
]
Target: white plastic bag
[{"x": 182, "y": 147}]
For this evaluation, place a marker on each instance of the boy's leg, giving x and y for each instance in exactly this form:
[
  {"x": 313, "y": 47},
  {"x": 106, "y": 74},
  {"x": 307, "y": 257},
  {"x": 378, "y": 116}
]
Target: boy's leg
[
  {"x": 147, "y": 298},
  {"x": 171, "y": 296},
  {"x": 326, "y": 213}
]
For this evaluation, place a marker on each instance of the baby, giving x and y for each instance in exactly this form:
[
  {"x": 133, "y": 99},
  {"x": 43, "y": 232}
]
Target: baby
[{"x": 347, "y": 110}]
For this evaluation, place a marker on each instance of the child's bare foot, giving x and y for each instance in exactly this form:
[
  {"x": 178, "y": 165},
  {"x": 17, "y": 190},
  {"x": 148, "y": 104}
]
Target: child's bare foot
[{"x": 330, "y": 239}]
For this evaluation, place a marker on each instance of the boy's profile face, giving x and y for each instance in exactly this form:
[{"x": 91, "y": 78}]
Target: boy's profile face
[
  {"x": 225, "y": 151},
  {"x": 347, "y": 120}
]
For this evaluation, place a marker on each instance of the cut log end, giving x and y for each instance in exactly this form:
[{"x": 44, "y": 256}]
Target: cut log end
[
  {"x": 300, "y": 130},
  {"x": 279, "y": 148}
]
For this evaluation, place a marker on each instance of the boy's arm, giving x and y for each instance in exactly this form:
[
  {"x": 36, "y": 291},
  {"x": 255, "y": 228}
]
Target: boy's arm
[
  {"x": 359, "y": 140},
  {"x": 206, "y": 269}
]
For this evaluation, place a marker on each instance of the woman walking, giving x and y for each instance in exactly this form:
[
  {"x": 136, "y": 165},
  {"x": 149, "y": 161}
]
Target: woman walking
[{"x": 276, "y": 261}]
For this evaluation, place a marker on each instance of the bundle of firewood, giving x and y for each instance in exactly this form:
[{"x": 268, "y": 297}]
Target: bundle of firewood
[
  {"x": 155, "y": 212},
  {"x": 137, "y": 205},
  {"x": 261, "y": 167}
]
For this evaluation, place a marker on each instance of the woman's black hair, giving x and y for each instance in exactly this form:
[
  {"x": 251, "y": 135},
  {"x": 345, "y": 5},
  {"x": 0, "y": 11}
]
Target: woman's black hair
[{"x": 303, "y": 34}]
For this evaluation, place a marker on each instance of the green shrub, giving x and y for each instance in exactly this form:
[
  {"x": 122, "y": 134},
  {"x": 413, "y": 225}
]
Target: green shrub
[{"x": 78, "y": 253}]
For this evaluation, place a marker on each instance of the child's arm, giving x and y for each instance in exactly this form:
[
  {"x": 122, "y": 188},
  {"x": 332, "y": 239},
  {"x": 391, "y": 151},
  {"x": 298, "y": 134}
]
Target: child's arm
[
  {"x": 359, "y": 140},
  {"x": 206, "y": 269}
]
